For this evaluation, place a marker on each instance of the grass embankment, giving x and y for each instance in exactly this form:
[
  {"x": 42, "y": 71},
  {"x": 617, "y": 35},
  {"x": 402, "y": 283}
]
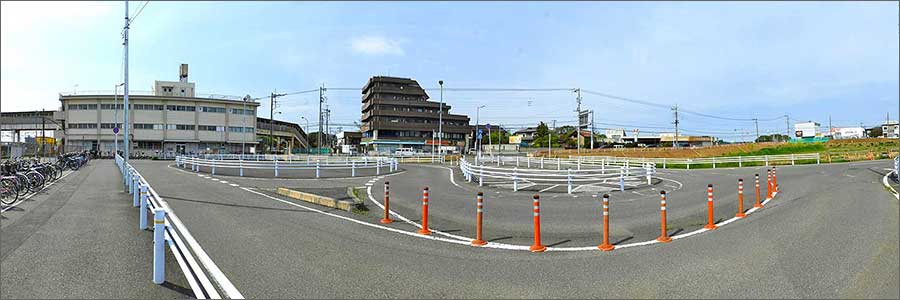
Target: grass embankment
[{"x": 832, "y": 151}]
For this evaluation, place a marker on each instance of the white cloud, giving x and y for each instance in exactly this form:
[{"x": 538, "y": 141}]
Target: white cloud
[{"x": 376, "y": 45}]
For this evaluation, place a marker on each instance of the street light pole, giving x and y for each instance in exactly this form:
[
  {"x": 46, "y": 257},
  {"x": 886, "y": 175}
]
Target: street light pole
[
  {"x": 441, "y": 122},
  {"x": 125, "y": 110}
]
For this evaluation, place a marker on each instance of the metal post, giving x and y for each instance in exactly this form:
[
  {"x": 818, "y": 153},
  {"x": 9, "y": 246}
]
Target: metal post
[
  {"x": 137, "y": 190},
  {"x": 621, "y": 182},
  {"x": 569, "y": 180},
  {"x": 378, "y": 167},
  {"x": 213, "y": 167},
  {"x": 276, "y": 166},
  {"x": 145, "y": 196},
  {"x": 714, "y": 162},
  {"x": 159, "y": 240},
  {"x": 740, "y": 161},
  {"x": 481, "y": 176},
  {"x": 792, "y": 159},
  {"x": 318, "y": 168},
  {"x": 242, "y": 165},
  {"x": 352, "y": 169}
]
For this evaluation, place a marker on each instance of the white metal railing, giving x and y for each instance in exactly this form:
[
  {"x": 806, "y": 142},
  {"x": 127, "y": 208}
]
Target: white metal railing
[
  {"x": 168, "y": 229},
  {"x": 713, "y": 161},
  {"x": 280, "y": 163},
  {"x": 570, "y": 172}
]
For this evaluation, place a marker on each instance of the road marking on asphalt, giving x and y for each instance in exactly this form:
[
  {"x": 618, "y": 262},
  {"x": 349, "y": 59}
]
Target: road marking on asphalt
[
  {"x": 28, "y": 196},
  {"x": 549, "y": 188},
  {"x": 461, "y": 240},
  {"x": 232, "y": 184}
]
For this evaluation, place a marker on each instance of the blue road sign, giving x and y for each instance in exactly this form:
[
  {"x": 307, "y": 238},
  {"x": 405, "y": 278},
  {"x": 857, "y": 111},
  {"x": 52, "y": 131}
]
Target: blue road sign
[
  {"x": 116, "y": 129},
  {"x": 488, "y": 126}
]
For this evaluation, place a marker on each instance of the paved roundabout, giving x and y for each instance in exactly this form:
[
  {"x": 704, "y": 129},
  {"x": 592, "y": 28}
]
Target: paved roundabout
[{"x": 832, "y": 231}]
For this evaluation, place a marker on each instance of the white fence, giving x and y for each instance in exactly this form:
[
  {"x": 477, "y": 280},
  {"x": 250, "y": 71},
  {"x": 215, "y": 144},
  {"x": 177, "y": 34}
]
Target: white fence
[
  {"x": 278, "y": 163},
  {"x": 714, "y": 161},
  {"x": 533, "y": 171},
  {"x": 169, "y": 230}
]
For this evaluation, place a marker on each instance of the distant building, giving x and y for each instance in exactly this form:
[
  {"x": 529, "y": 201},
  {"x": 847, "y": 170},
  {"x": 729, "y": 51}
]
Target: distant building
[
  {"x": 289, "y": 137},
  {"x": 527, "y": 133},
  {"x": 615, "y": 135},
  {"x": 396, "y": 113},
  {"x": 848, "y": 133},
  {"x": 164, "y": 123},
  {"x": 890, "y": 129},
  {"x": 687, "y": 140},
  {"x": 806, "y": 130}
]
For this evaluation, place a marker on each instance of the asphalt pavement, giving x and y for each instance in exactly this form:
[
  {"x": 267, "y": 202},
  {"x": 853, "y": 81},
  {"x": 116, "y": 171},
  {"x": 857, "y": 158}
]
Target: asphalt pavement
[
  {"x": 832, "y": 232},
  {"x": 80, "y": 239}
]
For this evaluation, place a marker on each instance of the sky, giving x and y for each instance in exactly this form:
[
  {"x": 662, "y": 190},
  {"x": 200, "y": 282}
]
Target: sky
[{"x": 731, "y": 60}]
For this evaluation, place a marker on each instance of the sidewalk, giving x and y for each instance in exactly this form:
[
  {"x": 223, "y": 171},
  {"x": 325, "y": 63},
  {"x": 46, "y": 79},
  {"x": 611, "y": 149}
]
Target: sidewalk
[{"x": 79, "y": 239}]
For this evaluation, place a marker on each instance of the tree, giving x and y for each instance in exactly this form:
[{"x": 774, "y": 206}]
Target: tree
[{"x": 542, "y": 130}]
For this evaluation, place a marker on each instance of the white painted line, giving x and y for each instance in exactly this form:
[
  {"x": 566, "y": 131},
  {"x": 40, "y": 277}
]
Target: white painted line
[
  {"x": 404, "y": 219},
  {"x": 232, "y": 184},
  {"x": 549, "y": 188},
  {"x": 223, "y": 181}
]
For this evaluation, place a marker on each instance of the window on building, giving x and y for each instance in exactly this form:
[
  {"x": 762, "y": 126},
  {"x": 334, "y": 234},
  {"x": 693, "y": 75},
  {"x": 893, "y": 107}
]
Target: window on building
[
  {"x": 83, "y": 106},
  {"x": 211, "y": 109},
  {"x": 83, "y": 125},
  {"x": 180, "y": 108},
  {"x": 148, "y": 106},
  {"x": 112, "y": 106},
  {"x": 108, "y": 125},
  {"x": 211, "y": 128},
  {"x": 241, "y": 111}
]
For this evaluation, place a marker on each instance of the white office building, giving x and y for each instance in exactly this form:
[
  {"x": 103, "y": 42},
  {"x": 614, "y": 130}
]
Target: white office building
[{"x": 170, "y": 120}]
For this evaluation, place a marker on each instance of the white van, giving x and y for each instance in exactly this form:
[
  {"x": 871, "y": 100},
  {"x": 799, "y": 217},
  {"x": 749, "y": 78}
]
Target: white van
[{"x": 405, "y": 152}]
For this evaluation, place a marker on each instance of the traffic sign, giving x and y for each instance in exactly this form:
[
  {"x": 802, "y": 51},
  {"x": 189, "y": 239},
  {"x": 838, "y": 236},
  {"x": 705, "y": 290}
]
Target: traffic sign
[
  {"x": 116, "y": 130},
  {"x": 488, "y": 126}
]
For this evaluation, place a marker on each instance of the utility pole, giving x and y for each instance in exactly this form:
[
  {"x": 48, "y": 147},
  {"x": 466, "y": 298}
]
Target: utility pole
[
  {"x": 830, "y": 129},
  {"x": 319, "y": 134},
  {"x": 675, "y": 142},
  {"x": 550, "y": 139},
  {"x": 327, "y": 129},
  {"x": 272, "y": 103},
  {"x": 125, "y": 97},
  {"x": 787, "y": 126},
  {"x": 592, "y": 129},
  {"x": 578, "y": 138},
  {"x": 756, "y": 123},
  {"x": 43, "y": 136}
]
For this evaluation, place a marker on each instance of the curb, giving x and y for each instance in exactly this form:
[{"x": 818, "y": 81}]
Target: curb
[
  {"x": 316, "y": 199},
  {"x": 884, "y": 181}
]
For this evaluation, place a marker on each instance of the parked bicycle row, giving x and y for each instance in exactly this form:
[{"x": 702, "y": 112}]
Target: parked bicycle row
[{"x": 28, "y": 175}]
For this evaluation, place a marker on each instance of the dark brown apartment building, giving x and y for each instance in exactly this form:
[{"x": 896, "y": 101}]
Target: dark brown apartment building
[{"x": 396, "y": 113}]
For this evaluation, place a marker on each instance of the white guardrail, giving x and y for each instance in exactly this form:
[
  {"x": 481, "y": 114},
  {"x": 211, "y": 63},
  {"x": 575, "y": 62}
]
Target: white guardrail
[
  {"x": 277, "y": 163},
  {"x": 168, "y": 229},
  {"x": 531, "y": 170},
  {"x": 740, "y": 160}
]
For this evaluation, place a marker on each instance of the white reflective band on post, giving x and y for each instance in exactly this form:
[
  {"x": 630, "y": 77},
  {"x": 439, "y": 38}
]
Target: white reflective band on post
[
  {"x": 537, "y": 214},
  {"x": 662, "y": 208},
  {"x": 424, "y": 202},
  {"x": 605, "y": 213},
  {"x": 480, "y": 210},
  {"x": 663, "y": 202}
]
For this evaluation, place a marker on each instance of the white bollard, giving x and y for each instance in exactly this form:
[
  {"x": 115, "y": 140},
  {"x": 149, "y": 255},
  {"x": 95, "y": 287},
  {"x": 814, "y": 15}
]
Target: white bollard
[
  {"x": 145, "y": 196},
  {"x": 276, "y": 166},
  {"x": 481, "y": 176},
  {"x": 714, "y": 162},
  {"x": 740, "y": 161},
  {"x": 542, "y": 162},
  {"x": 318, "y": 169},
  {"x": 377, "y": 167},
  {"x": 792, "y": 159},
  {"x": 515, "y": 179},
  {"x": 569, "y": 181},
  {"x": 621, "y": 182},
  {"x": 664, "y": 162},
  {"x": 159, "y": 251},
  {"x": 352, "y": 169},
  {"x": 214, "y": 167},
  {"x": 649, "y": 182},
  {"x": 528, "y": 162},
  {"x": 131, "y": 183},
  {"x": 558, "y": 166},
  {"x": 242, "y": 167},
  {"x": 517, "y": 161}
]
